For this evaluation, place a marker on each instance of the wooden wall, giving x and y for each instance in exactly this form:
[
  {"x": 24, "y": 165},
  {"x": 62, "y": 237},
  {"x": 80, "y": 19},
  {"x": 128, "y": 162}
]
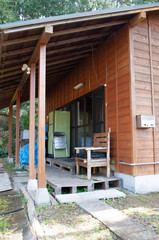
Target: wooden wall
[
  {"x": 118, "y": 99},
  {"x": 146, "y": 75},
  {"x": 92, "y": 71},
  {"x": 110, "y": 64}
]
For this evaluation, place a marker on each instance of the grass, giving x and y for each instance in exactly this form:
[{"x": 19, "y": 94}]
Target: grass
[
  {"x": 142, "y": 208},
  {"x": 4, "y": 224},
  {"x": 9, "y": 218},
  {"x": 68, "y": 222},
  {"x": 10, "y": 167}
]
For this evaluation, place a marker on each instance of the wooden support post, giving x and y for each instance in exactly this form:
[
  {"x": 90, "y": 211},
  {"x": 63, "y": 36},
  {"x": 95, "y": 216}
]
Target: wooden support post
[
  {"x": 32, "y": 173},
  {"x": 41, "y": 116},
  {"x": 140, "y": 17},
  {"x": 17, "y": 127},
  {"x": 10, "y": 131}
]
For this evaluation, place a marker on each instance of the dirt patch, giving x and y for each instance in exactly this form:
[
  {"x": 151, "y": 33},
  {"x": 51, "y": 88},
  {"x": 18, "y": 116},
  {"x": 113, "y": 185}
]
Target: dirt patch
[
  {"x": 69, "y": 222},
  {"x": 12, "y": 216},
  {"x": 142, "y": 208}
]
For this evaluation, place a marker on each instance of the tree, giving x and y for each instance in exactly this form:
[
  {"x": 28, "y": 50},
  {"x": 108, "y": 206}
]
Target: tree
[
  {"x": 14, "y": 10},
  {"x": 136, "y": 2},
  {"x": 8, "y": 11}
]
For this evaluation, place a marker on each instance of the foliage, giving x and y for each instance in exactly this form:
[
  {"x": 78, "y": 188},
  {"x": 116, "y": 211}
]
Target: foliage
[
  {"x": 3, "y": 153},
  {"x": 14, "y": 10},
  {"x": 50, "y": 189},
  {"x": 8, "y": 11},
  {"x": 81, "y": 189},
  {"x": 4, "y": 224},
  {"x": 24, "y": 124}
]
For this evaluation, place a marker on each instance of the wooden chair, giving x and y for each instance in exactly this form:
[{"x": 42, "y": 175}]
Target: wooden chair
[{"x": 96, "y": 156}]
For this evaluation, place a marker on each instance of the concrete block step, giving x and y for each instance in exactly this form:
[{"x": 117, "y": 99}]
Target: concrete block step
[{"x": 85, "y": 196}]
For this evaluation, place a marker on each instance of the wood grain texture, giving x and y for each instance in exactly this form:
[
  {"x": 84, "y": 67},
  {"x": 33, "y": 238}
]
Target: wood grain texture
[
  {"x": 41, "y": 116},
  {"x": 10, "y": 131},
  {"x": 17, "y": 127},
  {"x": 110, "y": 64},
  {"x": 146, "y": 60},
  {"x": 32, "y": 172}
]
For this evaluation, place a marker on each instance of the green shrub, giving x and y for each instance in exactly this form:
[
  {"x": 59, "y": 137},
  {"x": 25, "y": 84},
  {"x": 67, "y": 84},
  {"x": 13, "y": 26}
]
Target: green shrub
[{"x": 3, "y": 153}]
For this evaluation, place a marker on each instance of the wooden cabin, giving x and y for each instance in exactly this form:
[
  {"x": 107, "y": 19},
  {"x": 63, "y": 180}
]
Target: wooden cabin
[{"x": 114, "y": 56}]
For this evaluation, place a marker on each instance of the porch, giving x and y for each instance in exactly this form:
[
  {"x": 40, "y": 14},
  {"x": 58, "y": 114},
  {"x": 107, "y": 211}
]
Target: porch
[{"x": 63, "y": 181}]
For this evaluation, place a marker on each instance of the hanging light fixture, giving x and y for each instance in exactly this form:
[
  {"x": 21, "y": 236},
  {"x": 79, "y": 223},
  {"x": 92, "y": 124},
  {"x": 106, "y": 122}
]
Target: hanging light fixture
[{"x": 79, "y": 85}]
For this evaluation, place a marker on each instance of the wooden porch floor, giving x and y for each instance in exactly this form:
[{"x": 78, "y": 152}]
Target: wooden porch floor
[{"x": 64, "y": 182}]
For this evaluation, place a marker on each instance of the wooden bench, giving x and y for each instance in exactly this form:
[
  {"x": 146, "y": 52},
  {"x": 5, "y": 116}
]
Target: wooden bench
[{"x": 96, "y": 156}]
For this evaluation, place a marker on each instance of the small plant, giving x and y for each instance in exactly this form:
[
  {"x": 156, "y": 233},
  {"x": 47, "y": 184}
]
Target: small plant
[
  {"x": 19, "y": 195},
  {"x": 3, "y": 204},
  {"x": 25, "y": 200},
  {"x": 81, "y": 189},
  {"x": 50, "y": 189},
  {"x": 141, "y": 199},
  {"x": 4, "y": 224}
]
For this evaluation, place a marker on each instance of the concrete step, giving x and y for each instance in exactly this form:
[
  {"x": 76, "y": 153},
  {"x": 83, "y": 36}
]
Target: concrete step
[{"x": 98, "y": 194}]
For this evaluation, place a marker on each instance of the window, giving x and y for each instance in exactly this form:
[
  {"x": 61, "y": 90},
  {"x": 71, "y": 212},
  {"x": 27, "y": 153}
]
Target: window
[{"x": 87, "y": 117}]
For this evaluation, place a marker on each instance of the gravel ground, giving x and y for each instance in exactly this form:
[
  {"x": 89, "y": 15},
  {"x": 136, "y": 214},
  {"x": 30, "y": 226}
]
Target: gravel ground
[
  {"x": 142, "y": 208},
  {"x": 69, "y": 222}
]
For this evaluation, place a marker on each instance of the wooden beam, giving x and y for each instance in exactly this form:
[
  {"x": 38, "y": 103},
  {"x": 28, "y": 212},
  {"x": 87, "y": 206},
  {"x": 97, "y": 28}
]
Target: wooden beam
[
  {"x": 10, "y": 131},
  {"x": 9, "y": 79},
  {"x": 17, "y": 127},
  {"x": 66, "y": 60},
  {"x": 32, "y": 172},
  {"x": 27, "y": 50},
  {"x": 10, "y": 73},
  {"x": 17, "y": 60},
  {"x": 79, "y": 39},
  {"x": 20, "y": 40},
  {"x": 58, "y": 74},
  {"x": 41, "y": 116},
  {"x": 19, "y": 51},
  {"x": 24, "y": 28},
  {"x": 10, "y": 68},
  {"x": 61, "y": 65},
  {"x": 140, "y": 17},
  {"x": 68, "y": 55},
  {"x": 52, "y": 71},
  {"x": 5, "y": 90},
  {"x": 8, "y": 84},
  {"x": 90, "y": 27},
  {"x": 66, "y": 49},
  {"x": 44, "y": 38}
]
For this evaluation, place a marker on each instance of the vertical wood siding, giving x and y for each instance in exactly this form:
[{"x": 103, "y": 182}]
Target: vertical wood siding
[
  {"x": 108, "y": 64},
  {"x": 146, "y": 65},
  {"x": 119, "y": 115},
  {"x": 92, "y": 71}
]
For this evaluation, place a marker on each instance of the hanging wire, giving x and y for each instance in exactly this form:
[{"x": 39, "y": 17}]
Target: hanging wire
[{"x": 96, "y": 75}]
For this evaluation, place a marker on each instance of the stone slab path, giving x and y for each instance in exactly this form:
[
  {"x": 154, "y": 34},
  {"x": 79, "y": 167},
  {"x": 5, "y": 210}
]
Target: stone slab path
[{"x": 119, "y": 223}]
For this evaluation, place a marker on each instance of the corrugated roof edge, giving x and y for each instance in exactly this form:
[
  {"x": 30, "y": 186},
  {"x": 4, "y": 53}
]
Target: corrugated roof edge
[{"x": 77, "y": 15}]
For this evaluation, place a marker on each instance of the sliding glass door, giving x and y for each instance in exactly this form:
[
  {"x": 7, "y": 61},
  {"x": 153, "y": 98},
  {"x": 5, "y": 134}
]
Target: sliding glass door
[{"x": 87, "y": 117}]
